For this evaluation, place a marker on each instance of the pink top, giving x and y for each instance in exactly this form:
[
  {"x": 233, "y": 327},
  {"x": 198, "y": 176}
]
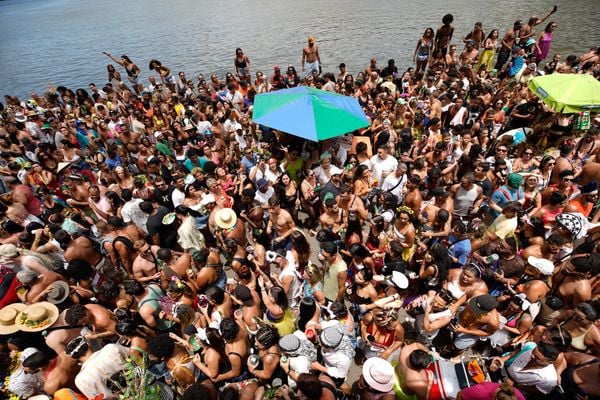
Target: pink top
[{"x": 484, "y": 391}]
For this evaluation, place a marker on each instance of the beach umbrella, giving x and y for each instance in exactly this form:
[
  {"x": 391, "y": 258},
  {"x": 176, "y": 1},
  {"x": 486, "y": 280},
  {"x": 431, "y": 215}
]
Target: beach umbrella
[
  {"x": 309, "y": 113},
  {"x": 568, "y": 93}
]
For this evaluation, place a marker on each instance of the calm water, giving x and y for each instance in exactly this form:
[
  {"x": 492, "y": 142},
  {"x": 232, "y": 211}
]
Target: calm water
[{"x": 60, "y": 41}]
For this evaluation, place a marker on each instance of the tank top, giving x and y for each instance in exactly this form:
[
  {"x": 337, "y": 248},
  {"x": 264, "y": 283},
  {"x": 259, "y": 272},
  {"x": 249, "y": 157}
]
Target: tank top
[
  {"x": 240, "y": 64},
  {"x": 464, "y": 199}
]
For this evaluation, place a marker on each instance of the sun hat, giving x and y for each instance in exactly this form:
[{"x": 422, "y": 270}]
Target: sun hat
[
  {"x": 378, "y": 374},
  {"x": 483, "y": 304},
  {"x": 37, "y": 317},
  {"x": 62, "y": 165},
  {"x": 243, "y": 294},
  {"x": 397, "y": 279},
  {"x": 8, "y": 318},
  {"x": 207, "y": 199},
  {"x": 20, "y": 117},
  {"x": 8, "y": 251},
  {"x": 58, "y": 292},
  {"x": 331, "y": 337},
  {"x": 546, "y": 267},
  {"x": 289, "y": 343},
  {"x": 225, "y": 218}
]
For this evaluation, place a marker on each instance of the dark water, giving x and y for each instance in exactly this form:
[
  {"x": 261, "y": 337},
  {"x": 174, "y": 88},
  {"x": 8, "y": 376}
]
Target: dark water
[{"x": 60, "y": 41}]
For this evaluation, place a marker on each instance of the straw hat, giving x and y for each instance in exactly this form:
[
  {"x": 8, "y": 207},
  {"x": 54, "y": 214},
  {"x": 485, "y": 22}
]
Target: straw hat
[
  {"x": 37, "y": 317},
  {"x": 225, "y": 218},
  {"x": 8, "y": 317}
]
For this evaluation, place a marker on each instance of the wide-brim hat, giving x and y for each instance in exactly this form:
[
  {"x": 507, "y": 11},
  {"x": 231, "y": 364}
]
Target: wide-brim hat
[
  {"x": 8, "y": 318},
  {"x": 58, "y": 292},
  {"x": 397, "y": 279},
  {"x": 379, "y": 374},
  {"x": 546, "y": 267},
  {"x": 37, "y": 317},
  {"x": 225, "y": 218},
  {"x": 20, "y": 117},
  {"x": 8, "y": 251},
  {"x": 62, "y": 165}
]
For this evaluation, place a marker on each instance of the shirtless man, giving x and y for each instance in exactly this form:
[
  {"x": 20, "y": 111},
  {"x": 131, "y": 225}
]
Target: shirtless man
[
  {"x": 97, "y": 318},
  {"x": 311, "y": 60},
  {"x": 435, "y": 107},
  {"x": 251, "y": 211},
  {"x": 507, "y": 44},
  {"x": 550, "y": 249},
  {"x": 280, "y": 225},
  {"x": 83, "y": 248},
  {"x": 250, "y": 303},
  {"x": 38, "y": 285},
  {"x": 351, "y": 203},
  {"x": 574, "y": 280},
  {"x": 412, "y": 370},
  {"x": 236, "y": 348},
  {"x": 332, "y": 218},
  {"x": 77, "y": 191},
  {"x": 527, "y": 29},
  {"x": 478, "y": 319},
  {"x": 145, "y": 266},
  {"x": 413, "y": 198}
]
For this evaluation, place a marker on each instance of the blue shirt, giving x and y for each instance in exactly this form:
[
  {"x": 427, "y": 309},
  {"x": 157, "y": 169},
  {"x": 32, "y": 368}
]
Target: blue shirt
[
  {"x": 459, "y": 249},
  {"x": 503, "y": 195},
  {"x": 248, "y": 163}
]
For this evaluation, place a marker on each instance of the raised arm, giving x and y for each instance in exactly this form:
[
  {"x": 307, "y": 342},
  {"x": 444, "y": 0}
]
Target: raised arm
[{"x": 121, "y": 63}]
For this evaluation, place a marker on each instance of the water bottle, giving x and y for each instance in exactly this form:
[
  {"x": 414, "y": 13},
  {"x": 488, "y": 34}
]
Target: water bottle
[{"x": 492, "y": 258}]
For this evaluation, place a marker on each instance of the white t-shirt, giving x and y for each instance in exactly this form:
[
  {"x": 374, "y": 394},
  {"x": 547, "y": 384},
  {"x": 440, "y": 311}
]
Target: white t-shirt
[
  {"x": 391, "y": 181},
  {"x": 131, "y": 213},
  {"x": 177, "y": 197},
  {"x": 381, "y": 168},
  {"x": 544, "y": 379},
  {"x": 263, "y": 198},
  {"x": 325, "y": 176}
]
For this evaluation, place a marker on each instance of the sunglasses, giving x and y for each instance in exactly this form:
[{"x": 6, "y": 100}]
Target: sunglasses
[
  {"x": 528, "y": 153},
  {"x": 503, "y": 150}
]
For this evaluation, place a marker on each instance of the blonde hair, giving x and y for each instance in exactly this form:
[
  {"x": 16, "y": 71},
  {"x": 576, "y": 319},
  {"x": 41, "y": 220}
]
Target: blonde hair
[{"x": 314, "y": 274}]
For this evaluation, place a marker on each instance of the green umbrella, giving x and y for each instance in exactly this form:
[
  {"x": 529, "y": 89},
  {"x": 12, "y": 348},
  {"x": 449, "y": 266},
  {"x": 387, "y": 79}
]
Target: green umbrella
[
  {"x": 309, "y": 113},
  {"x": 568, "y": 93}
]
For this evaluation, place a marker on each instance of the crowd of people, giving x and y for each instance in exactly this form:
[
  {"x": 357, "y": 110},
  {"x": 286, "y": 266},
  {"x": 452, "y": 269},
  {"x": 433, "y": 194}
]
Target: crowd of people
[{"x": 156, "y": 243}]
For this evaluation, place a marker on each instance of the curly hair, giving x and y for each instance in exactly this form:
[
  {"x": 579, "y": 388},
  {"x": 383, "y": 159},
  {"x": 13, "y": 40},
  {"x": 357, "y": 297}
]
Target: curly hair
[
  {"x": 162, "y": 346},
  {"x": 74, "y": 314}
]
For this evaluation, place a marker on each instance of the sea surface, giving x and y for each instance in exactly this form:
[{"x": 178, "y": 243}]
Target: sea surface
[{"x": 59, "y": 42}]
